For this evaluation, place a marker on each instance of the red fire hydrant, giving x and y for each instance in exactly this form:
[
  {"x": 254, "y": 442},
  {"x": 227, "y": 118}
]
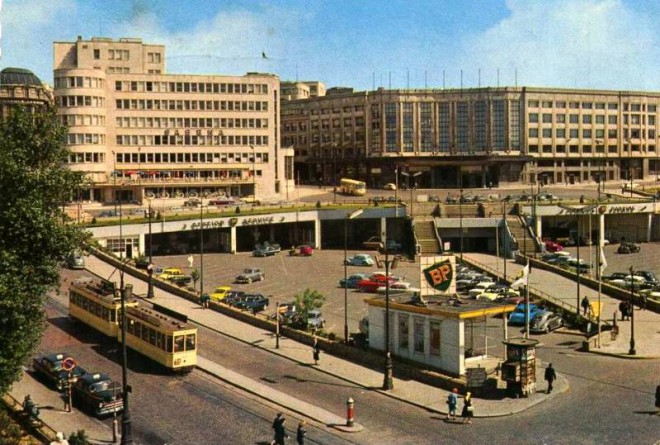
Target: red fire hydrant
[{"x": 350, "y": 412}]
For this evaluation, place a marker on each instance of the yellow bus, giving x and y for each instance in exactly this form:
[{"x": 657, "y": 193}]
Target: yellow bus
[{"x": 352, "y": 187}]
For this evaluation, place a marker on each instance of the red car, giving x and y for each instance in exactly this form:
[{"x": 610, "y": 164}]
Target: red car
[
  {"x": 551, "y": 246},
  {"x": 303, "y": 250},
  {"x": 372, "y": 283}
]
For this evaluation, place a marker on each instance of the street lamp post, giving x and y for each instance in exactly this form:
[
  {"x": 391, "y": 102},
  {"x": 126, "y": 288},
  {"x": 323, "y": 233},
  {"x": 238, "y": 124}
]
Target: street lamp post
[
  {"x": 254, "y": 174},
  {"x": 410, "y": 187},
  {"x": 126, "y": 434},
  {"x": 388, "y": 382},
  {"x": 201, "y": 250},
  {"x": 632, "y": 350},
  {"x": 150, "y": 266},
  {"x": 355, "y": 214}
]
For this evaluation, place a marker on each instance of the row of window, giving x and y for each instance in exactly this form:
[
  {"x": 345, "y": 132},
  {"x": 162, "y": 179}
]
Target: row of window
[
  {"x": 210, "y": 105},
  {"x": 78, "y": 120},
  {"x": 419, "y": 338},
  {"x": 549, "y": 118},
  {"x": 92, "y": 307},
  {"x": 79, "y": 82},
  {"x": 189, "y": 122},
  {"x": 195, "y": 139},
  {"x": 191, "y": 87},
  {"x": 335, "y": 110},
  {"x": 574, "y": 133},
  {"x": 80, "y": 101},
  {"x": 180, "y": 343},
  {"x": 86, "y": 158},
  {"x": 85, "y": 139},
  {"x": 124, "y": 70},
  {"x": 180, "y": 158},
  {"x": 587, "y": 148},
  {"x": 532, "y": 103}
]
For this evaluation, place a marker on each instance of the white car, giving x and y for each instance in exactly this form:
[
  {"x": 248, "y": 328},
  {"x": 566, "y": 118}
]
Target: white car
[
  {"x": 315, "y": 319},
  {"x": 389, "y": 186},
  {"x": 479, "y": 289}
]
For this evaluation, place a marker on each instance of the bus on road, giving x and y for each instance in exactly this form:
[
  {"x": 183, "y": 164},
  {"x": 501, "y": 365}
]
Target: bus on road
[{"x": 352, "y": 187}]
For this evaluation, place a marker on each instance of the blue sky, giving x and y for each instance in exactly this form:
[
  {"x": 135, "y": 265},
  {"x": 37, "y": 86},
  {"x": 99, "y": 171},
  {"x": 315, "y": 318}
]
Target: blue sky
[{"x": 610, "y": 44}]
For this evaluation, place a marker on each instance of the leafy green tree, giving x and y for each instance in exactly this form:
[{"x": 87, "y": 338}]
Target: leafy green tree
[
  {"x": 35, "y": 234},
  {"x": 195, "y": 277},
  {"x": 309, "y": 300},
  {"x": 10, "y": 432}
]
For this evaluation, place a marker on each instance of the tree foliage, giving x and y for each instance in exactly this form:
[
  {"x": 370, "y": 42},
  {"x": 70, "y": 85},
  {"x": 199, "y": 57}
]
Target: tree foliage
[
  {"x": 35, "y": 234},
  {"x": 309, "y": 300}
]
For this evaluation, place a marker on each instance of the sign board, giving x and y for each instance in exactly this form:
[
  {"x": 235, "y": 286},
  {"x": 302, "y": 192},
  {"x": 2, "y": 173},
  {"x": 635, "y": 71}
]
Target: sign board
[
  {"x": 446, "y": 246},
  {"x": 476, "y": 377},
  {"x": 438, "y": 275}
]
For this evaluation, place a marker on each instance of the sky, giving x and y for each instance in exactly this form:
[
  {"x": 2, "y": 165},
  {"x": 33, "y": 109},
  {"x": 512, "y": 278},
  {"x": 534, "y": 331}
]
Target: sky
[{"x": 364, "y": 44}]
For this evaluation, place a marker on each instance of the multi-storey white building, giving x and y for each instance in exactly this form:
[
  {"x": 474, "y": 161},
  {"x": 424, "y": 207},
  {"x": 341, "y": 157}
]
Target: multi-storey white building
[{"x": 138, "y": 132}]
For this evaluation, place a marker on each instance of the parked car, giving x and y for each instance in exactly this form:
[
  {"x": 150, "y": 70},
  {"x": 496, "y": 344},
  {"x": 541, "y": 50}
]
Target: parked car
[
  {"x": 98, "y": 394},
  {"x": 287, "y": 312},
  {"x": 552, "y": 246},
  {"x": 265, "y": 250},
  {"x": 75, "y": 260},
  {"x": 49, "y": 367},
  {"x": 375, "y": 243},
  {"x": 233, "y": 297},
  {"x": 180, "y": 280},
  {"x": 192, "y": 202},
  {"x": 628, "y": 248},
  {"x": 648, "y": 276},
  {"x": 227, "y": 201},
  {"x": 389, "y": 186},
  {"x": 110, "y": 214},
  {"x": 479, "y": 288},
  {"x": 498, "y": 293},
  {"x": 547, "y": 197},
  {"x": 517, "y": 317},
  {"x": 544, "y": 322},
  {"x": 142, "y": 262},
  {"x": 250, "y": 274},
  {"x": 170, "y": 273},
  {"x": 352, "y": 280},
  {"x": 361, "y": 259},
  {"x": 615, "y": 276},
  {"x": 372, "y": 283},
  {"x": 220, "y": 293},
  {"x": 315, "y": 319},
  {"x": 302, "y": 250},
  {"x": 253, "y": 303}
]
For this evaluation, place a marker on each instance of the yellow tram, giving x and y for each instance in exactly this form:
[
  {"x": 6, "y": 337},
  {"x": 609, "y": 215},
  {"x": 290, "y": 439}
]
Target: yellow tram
[
  {"x": 166, "y": 340},
  {"x": 97, "y": 303}
]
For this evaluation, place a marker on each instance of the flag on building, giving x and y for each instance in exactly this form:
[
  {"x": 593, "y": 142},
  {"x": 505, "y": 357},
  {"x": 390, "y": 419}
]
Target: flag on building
[{"x": 521, "y": 278}]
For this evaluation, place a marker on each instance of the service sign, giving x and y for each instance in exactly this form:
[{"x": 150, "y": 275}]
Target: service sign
[{"x": 438, "y": 274}]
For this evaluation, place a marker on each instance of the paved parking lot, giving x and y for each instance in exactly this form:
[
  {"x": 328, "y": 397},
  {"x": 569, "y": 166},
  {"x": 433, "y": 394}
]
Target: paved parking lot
[
  {"x": 648, "y": 258},
  {"x": 286, "y": 276}
]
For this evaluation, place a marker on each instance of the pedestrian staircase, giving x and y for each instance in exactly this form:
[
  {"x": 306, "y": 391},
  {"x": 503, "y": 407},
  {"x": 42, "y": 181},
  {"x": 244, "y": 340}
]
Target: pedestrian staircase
[
  {"x": 526, "y": 242},
  {"x": 427, "y": 237}
]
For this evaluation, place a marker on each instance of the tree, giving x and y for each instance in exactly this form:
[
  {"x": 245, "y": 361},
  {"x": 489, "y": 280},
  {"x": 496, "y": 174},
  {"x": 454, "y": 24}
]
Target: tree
[
  {"x": 35, "y": 234},
  {"x": 307, "y": 301},
  {"x": 195, "y": 277}
]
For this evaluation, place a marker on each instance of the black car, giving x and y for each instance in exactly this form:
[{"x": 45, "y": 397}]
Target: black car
[
  {"x": 253, "y": 303},
  {"x": 648, "y": 276},
  {"x": 98, "y": 394},
  {"x": 181, "y": 280},
  {"x": 616, "y": 276},
  {"x": 52, "y": 368},
  {"x": 233, "y": 297},
  {"x": 628, "y": 248}
]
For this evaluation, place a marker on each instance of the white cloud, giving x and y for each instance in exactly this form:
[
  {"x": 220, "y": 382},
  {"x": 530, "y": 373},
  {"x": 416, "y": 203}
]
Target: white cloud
[{"x": 585, "y": 44}]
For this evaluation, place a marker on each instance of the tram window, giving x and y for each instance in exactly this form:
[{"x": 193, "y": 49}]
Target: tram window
[
  {"x": 178, "y": 343},
  {"x": 145, "y": 332},
  {"x": 152, "y": 336},
  {"x": 159, "y": 340},
  {"x": 130, "y": 327},
  {"x": 168, "y": 344},
  {"x": 190, "y": 342},
  {"x": 137, "y": 329},
  {"x": 113, "y": 315}
]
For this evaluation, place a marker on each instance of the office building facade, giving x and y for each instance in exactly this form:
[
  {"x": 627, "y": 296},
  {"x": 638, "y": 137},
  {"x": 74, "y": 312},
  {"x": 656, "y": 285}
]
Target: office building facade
[
  {"x": 138, "y": 132},
  {"x": 474, "y": 137}
]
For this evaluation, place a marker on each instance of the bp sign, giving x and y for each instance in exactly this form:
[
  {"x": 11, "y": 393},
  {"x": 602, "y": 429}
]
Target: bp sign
[{"x": 439, "y": 275}]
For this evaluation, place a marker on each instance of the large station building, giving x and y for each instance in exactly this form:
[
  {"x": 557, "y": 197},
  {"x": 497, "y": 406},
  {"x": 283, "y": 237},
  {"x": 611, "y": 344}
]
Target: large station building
[
  {"x": 138, "y": 132},
  {"x": 471, "y": 137}
]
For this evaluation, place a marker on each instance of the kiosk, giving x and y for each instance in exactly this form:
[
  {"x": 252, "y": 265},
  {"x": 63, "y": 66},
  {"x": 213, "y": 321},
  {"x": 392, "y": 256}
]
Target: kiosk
[{"x": 519, "y": 370}]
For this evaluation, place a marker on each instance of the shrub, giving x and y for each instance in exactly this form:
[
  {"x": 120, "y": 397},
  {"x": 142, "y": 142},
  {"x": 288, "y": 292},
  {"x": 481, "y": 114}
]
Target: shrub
[
  {"x": 79, "y": 438},
  {"x": 318, "y": 204}
]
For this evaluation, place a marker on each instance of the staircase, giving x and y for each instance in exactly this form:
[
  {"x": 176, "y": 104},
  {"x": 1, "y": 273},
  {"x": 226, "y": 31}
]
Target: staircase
[
  {"x": 527, "y": 244},
  {"x": 427, "y": 237}
]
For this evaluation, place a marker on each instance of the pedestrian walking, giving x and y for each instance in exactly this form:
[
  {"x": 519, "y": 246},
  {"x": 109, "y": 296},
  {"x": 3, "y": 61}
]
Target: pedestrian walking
[
  {"x": 191, "y": 261},
  {"x": 643, "y": 301},
  {"x": 280, "y": 433},
  {"x": 452, "y": 402},
  {"x": 550, "y": 377},
  {"x": 316, "y": 351},
  {"x": 585, "y": 306},
  {"x": 628, "y": 310},
  {"x": 301, "y": 433},
  {"x": 622, "y": 309},
  {"x": 468, "y": 408},
  {"x": 204, "y": 300}
]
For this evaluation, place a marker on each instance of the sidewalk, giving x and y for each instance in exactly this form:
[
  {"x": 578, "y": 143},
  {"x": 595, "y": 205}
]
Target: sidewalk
[
  {"x": 428, "y": 397},
  {"x": 647, "y": 334}
]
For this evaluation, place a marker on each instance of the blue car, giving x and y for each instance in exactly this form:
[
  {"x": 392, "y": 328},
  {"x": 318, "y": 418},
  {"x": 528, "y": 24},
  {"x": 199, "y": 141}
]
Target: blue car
[
  {"x": 352, "y": 280},
  {"x": 517, "y": 317}
]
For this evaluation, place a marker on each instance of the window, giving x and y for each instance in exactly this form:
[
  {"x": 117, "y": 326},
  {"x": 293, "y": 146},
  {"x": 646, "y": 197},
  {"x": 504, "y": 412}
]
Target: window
[
  {"x": 403, "y": 331},
  {"x": 561, "y": 132},
  {"x": 533, "y": 132},
  {"x": 533, "y": 104},
  {"x": 547, "y": 118},
  {"x": 547, "y": 104},
  {"x": 435, "y": 337},
  {"x": 97, "y": 54},
  {"x": 533, "y": 117},
  {"x": 586, "y": 119},
  {"x": 573, "y": 118},
  {"x": 612, "y": 120},
  {"x": 600, "y": 119},
  {"x": 418, "y": 334},
  {"x": 573, "y": 133},
  {"x": 561, "y": 118},
  {"x": 586, "y": 134},
  {"x": 547, "y": 132}
]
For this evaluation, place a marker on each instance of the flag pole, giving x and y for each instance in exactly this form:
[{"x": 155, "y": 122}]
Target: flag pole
[
  {"x": 600, "y": 284},
  {"x": 527, "y": 311}
]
